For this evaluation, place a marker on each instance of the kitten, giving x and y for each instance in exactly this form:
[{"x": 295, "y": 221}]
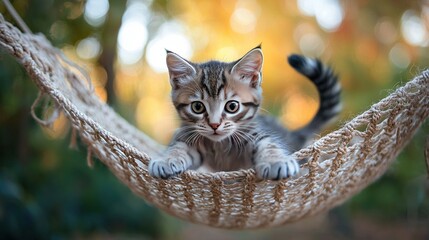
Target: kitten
[{"x": 221, "y": 128}]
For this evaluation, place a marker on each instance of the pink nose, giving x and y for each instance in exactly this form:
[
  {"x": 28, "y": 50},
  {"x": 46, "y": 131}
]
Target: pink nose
[{"x": 214, "y": 125}]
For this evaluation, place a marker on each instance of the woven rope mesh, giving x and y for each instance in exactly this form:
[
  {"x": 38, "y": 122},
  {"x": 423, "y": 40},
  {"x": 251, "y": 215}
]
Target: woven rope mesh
[{"x": 339, "y": 165}]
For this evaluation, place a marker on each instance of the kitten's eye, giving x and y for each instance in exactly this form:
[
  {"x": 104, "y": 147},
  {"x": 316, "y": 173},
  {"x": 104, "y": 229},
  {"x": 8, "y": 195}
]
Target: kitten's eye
[
  {"x": 232, "y": 106},
  {"x": 197, "y": 107}
]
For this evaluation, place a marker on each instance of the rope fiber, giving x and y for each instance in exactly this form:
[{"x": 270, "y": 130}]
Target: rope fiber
[{"x": 339, "y": 164}]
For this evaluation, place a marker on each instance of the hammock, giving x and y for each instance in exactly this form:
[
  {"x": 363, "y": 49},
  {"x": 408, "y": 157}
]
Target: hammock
[{"x": 339, "y": 164}]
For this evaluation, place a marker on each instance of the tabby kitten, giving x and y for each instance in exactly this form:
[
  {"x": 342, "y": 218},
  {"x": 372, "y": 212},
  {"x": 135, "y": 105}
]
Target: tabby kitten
[{"x": 221, "y": 128}]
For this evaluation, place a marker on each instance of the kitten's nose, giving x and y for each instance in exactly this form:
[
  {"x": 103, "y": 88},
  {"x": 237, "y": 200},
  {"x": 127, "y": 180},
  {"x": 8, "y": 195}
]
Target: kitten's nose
[{"x": 214, "y": 125}]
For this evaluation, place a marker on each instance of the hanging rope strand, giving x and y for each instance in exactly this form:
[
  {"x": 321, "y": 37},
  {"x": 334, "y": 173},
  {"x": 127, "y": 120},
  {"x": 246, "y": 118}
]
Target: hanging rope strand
[
  {"x": 427, "y": 156},
  {"x": 16, "y": 16}
]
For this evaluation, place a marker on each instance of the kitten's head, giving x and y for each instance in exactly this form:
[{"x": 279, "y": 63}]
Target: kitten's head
[{"x": 215, "y": 99}]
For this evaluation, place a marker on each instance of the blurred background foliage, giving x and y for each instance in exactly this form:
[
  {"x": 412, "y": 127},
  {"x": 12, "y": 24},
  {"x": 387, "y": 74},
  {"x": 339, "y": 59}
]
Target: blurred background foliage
[{"x": 46, "y": 188}]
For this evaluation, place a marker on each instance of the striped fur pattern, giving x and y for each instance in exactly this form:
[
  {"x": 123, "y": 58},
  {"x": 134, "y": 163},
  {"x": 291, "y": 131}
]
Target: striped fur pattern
[{"x": 221, "y": 129}]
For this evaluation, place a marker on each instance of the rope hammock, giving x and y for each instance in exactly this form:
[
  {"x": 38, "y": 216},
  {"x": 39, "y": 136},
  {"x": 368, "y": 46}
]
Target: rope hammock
[{"x": 339, "y": 164}]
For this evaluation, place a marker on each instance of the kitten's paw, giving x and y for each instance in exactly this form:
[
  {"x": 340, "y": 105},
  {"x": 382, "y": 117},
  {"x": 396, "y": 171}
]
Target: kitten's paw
[
  {"x": 277, "y": 170},
  {"x": 169, "y": 167}
]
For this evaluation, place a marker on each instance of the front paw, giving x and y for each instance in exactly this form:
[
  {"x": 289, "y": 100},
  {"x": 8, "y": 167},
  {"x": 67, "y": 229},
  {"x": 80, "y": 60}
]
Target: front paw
[
  {"x": 276, "y": 170},
  {"x": 169, "y": 167}
]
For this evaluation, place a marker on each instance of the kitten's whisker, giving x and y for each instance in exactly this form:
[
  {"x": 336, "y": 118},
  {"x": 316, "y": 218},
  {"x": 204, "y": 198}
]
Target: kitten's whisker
[
  {"x": 238, "y": 138},
  {"x": 263, "y": 110},
  {"x": 193, "y": 139},
  {"x": 239, "y": 143}
]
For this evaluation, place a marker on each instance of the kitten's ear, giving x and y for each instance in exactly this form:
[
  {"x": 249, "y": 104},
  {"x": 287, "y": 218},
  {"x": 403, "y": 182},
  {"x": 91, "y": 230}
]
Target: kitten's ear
[
  {"x": 178, "y": 68},
  {"x": 249, "y": 67}
]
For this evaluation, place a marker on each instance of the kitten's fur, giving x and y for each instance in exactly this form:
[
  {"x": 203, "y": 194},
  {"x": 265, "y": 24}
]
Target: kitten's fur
[{"x": 221, "y": 129}]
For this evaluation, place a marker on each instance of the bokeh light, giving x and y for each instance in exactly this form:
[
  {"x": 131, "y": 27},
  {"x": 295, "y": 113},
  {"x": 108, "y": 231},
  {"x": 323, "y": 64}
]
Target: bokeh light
[
  {"x": 414, "y": 29},
  {"x": 328, "y": 13},
  {"x": 311, "y": 44},
  {"x": 171, "y": 36},
  {"x": 243, "y": 20},
  {"x": 399, "y": 56},
  {"x": 88, "y": 48},
  {"x": 385, "y": 31},
  {"x": 133, "y": 33},
  {"x": 131, "y": 41},
  {"x": 298, "y": 102},
  {"x": 95, "y": 11}
]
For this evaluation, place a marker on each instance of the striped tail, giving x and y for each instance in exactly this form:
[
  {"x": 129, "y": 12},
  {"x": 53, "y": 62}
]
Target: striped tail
[{"x": 329, "y": 89}]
